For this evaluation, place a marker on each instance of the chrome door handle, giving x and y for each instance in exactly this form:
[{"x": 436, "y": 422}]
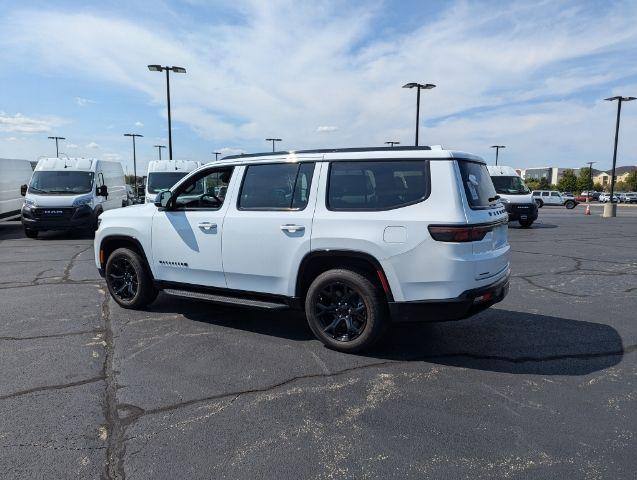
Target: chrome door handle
[
  {"x": 292, "y": 228},
  {"x": 207, "y": 225}
]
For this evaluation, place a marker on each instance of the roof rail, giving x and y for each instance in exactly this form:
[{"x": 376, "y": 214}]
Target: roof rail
[{"x": 325, "y": 150}]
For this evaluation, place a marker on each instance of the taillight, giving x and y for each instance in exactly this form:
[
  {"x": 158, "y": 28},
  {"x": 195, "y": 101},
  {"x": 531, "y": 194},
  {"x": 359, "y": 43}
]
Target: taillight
[{"x": 460, "y": 233}]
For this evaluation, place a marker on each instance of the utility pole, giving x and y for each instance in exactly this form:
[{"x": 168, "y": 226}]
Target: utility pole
[
  {"x": 57, "y": 150},
  {"x": 159, "y": 147},
  {"x": 159, "y": 68},
  {"x": 497, "y": 150},
  {"x": 273, "y": 140},
  {"x": 418, "y": 87}
]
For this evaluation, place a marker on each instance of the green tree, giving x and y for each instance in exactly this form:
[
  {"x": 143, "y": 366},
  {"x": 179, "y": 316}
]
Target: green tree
[
  {"x": 544, "y": 184},
  {"x": 568, "y": 182},
  {"x": 631, "y": 182},
  {"x": 584, "y": 180},
  {"x": 532, "y": 184},
  {"x": 598, "y": 187}
]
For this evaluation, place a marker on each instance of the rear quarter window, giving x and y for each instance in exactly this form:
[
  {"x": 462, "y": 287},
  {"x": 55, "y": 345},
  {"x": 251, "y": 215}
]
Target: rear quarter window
[
  {"x": 377, "y": 185},
  {"x": 477, "y": 183}
]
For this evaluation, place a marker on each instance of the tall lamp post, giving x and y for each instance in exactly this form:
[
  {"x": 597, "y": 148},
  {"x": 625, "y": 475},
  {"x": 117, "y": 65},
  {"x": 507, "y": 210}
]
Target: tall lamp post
[
  {"x": 590, "y": 180},
  {"x": 391, "y": 144},
  {"x": 418, "y": 87},
  {"x": 497, "y": 151},
  {"x": 273, "y": 140},
  {"x": 159, "y": 147},
  {"x": 134, "y": 135},
  {"x": 57, "y": 151},
  {"x": 610, "y": 209},
  {"x": 159, "y": 68}
]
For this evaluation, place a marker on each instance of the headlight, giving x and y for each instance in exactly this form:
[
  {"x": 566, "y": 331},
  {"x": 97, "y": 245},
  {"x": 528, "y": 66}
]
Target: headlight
[
  {"x": 30, "y": 203},
  {"x": 78, "y": 202}
]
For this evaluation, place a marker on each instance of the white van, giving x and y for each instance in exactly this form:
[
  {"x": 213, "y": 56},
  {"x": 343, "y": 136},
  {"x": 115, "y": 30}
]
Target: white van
[
  {"x": 13, "y": 174},
  {"x": 514, "y": 194},
  {"x": 70, "y": 193},
  {"x": 163, "y": 174}
]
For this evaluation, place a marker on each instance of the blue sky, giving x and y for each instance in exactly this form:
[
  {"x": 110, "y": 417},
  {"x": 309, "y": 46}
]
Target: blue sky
[{"x": 529, "y": 75}]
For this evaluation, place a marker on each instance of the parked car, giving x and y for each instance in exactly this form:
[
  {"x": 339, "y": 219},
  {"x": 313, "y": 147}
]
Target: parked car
[
  {"x": 355, "y": 238},
  {"x": 514, "y": 194},
  {"x": 630, "y": 197},
  {"x": 551, "y": 197},
  {"x": 163, "y": 174},
  {"x": 71, "y": 193},
  {"x": 605, "y": 197},
  {"x": 13, "y": 174}
]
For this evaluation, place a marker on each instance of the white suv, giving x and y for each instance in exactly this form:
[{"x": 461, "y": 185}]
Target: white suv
[{"x": 356, "y": 238}]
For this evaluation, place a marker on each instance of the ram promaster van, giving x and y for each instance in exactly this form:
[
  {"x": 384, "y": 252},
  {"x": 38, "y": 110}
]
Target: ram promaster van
[
  {"x": 163, "y": 174},
  {"x": 13, "y": 174},
  {"x": 70, "y": 193},
  {"x": 356, "y": 238},
  {"x": 514, "y": 194}
]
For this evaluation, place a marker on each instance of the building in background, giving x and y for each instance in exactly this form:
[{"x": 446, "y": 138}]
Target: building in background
[{"x": 551, "y": 174}]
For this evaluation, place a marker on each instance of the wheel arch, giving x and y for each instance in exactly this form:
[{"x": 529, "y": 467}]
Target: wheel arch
[
  {"x": 111, "y": 243},
  {"x": 318, "y": 261}
]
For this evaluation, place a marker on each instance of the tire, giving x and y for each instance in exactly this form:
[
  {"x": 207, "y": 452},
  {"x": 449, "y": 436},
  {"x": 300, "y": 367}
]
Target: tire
[
  {"x": 526, "y": 223},
  {"x": 539, "y": 203},
  {"x": 569, "y": 204},
  {"x": 129, "y": 282},
  {"x": 30, "y": 233},
  {"x": 371, "y": 321}
]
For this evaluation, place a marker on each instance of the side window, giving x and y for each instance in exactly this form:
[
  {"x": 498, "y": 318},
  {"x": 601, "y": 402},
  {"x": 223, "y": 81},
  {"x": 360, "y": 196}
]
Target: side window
[
  {"x": 206, "y": 191},
  {"x": 280, "y": 186},
  {"x": 377, "y": 185},
  {"x": 545, "y": 194},
  {"x": 555, "y": 194}
]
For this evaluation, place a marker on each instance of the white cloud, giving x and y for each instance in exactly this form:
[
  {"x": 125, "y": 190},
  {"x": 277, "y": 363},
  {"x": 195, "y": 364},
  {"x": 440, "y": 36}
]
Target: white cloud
[
  {"x": 82, "y": 102},
  {"x": 10, "y": 139},
  {"x": 139, "y": 124},
  {"x": 71, "y": 145},
  {"x": 22, "y": 124},
  {"x": 326, "y": 128},
  {"x": 92, "y": 145}
]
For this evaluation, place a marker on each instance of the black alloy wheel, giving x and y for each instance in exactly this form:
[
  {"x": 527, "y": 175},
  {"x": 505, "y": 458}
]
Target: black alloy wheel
[
  {"x": 341, "y": 312},
  {"x": 129, "y": 280},
  {"x": 123, "y": 279}
]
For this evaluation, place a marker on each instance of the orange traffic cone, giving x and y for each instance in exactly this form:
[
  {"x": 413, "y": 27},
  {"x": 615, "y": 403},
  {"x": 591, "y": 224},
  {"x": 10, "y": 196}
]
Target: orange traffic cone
[{"x": 588, "y": 210}]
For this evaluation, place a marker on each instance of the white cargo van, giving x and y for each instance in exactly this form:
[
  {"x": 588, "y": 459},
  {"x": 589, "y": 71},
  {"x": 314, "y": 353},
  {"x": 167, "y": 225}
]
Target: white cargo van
[
  {"x": 70, "y": 193},
  {"x": 163, "y": 174},
  {"x": 514, "y": 194},
  {"x": 13, "y": 174}
]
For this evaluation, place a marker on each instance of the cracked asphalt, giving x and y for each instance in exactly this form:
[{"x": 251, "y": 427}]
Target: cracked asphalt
[{"x": 543, "y": 385}]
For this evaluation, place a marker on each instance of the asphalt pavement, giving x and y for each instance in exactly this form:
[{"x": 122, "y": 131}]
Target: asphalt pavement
[{"x": 543, "y": 385}]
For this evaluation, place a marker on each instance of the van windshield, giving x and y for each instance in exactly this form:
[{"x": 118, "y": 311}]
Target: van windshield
[
  {"x": 61, "y": 182},
  {"x": 509, "y": 185},
  {"x": 158, "y": 181},
  {"x": 477, "y": 184}
]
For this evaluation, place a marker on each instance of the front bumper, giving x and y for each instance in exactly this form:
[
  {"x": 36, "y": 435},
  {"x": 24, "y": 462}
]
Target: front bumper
[
  {"x": 66, "y": 218},
  {"x": 467, "y": 304},
  {"x": 522, "y": 211}
]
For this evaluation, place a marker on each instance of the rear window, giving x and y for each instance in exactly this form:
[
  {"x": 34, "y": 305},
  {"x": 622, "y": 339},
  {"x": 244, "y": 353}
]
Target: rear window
[
  {"x": 477, "y": 184},
  {"x": 377, "y": 185}
]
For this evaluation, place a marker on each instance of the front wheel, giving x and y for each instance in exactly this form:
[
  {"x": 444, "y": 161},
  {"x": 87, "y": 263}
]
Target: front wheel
[
  {"x": 526, "y": 223},
  {"x": 569, "y": 204},
  {"x": 30, "y": 233},
  {"x": 128, "y": 281},
  {"x": 345, "y": 310}
]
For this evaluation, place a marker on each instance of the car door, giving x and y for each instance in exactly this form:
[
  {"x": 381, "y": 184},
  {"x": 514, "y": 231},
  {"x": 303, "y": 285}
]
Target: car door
[
  {"x": 186, "y": 236},
  {"x": 546, "y": 197},
  {"x": 267, "y": 231},
  {"x": 556, "y": 198}
]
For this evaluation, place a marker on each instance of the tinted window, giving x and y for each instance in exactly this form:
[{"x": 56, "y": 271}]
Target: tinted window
[
  {"x": 509, "y": 185},
  {"x": 279, "y": 186},
  {"x": 158, "y": 181},
  {"x": 477, "y": 184},
  {"x": 204, "y": 191},
  {"x": 377, "y": 185}
]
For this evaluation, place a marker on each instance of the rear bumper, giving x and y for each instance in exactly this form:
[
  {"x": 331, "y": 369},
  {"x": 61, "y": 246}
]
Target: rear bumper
[
  {"x": 467, "y": 304},
  {"x": 522, "y": 211}
]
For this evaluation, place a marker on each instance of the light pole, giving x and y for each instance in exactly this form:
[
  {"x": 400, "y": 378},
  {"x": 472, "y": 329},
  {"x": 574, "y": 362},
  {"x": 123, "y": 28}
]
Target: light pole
[
  {"x": 217, "y": 155},
  {"x": 57, "y": 151},
  {"x": 391, "y": 144},
  {"x": 159, "y": 147},
  {"x": 273, "y": 140},
  {"x": 133, "y": 135},
  {"x": 610, "y": 209},
  {"x": 590, "y": 180},
  {"x": 418, "y": 87},
  {"x": 497, "y": 151},
  {"x": 159, "y": 68}
]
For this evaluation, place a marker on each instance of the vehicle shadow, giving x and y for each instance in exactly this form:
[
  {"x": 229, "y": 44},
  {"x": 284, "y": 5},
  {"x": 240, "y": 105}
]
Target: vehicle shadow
[{"x": 495, "y": 340}]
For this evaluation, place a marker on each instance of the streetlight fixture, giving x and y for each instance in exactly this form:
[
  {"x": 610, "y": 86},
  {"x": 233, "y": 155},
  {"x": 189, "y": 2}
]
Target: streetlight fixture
[
  {"x": 497, "y": 151},
  {"x": 159, "y": 68},
  {"x": 133, "y": 135},
  {"x": 57, "y": 151},
  {"x": 610, "y": 209},
  {"x": 391, "y": 144},
  {"x": 159, "y": 147},
  {"x": 217, "y": 155},
  {"x": 273, "y": 140},
  {"x": 418, "y": 87}
]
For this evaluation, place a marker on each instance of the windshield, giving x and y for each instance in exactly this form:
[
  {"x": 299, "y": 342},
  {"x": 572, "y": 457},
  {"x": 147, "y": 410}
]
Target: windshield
[
  {"x": 509, "y": 185},
  {"x": 158, "y": 181},
  {"x": 61, "y": 182},
  {"x": 477, "y": 184}
]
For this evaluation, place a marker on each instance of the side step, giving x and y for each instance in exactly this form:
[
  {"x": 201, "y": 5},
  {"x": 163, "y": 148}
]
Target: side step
[{"x": 243, "y": 302}]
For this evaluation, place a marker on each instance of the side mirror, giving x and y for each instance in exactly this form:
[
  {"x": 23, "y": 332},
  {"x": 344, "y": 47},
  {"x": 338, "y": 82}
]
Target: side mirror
[
  {"x": 102, "y": 191},
  {"x": 163, "y": 198},
  {"x": 23, "y": 190}
]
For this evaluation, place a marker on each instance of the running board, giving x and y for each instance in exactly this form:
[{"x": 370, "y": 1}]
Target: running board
[{"x": 243, "y": 302}]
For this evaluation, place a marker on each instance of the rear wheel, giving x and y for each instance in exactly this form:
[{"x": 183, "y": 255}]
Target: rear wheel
[
  {"x": 345, "y": 310},
  {"x": 570, "y": 204},
  {"x": 30, "y": 233},
  {"x": 128, "y": 281}
]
